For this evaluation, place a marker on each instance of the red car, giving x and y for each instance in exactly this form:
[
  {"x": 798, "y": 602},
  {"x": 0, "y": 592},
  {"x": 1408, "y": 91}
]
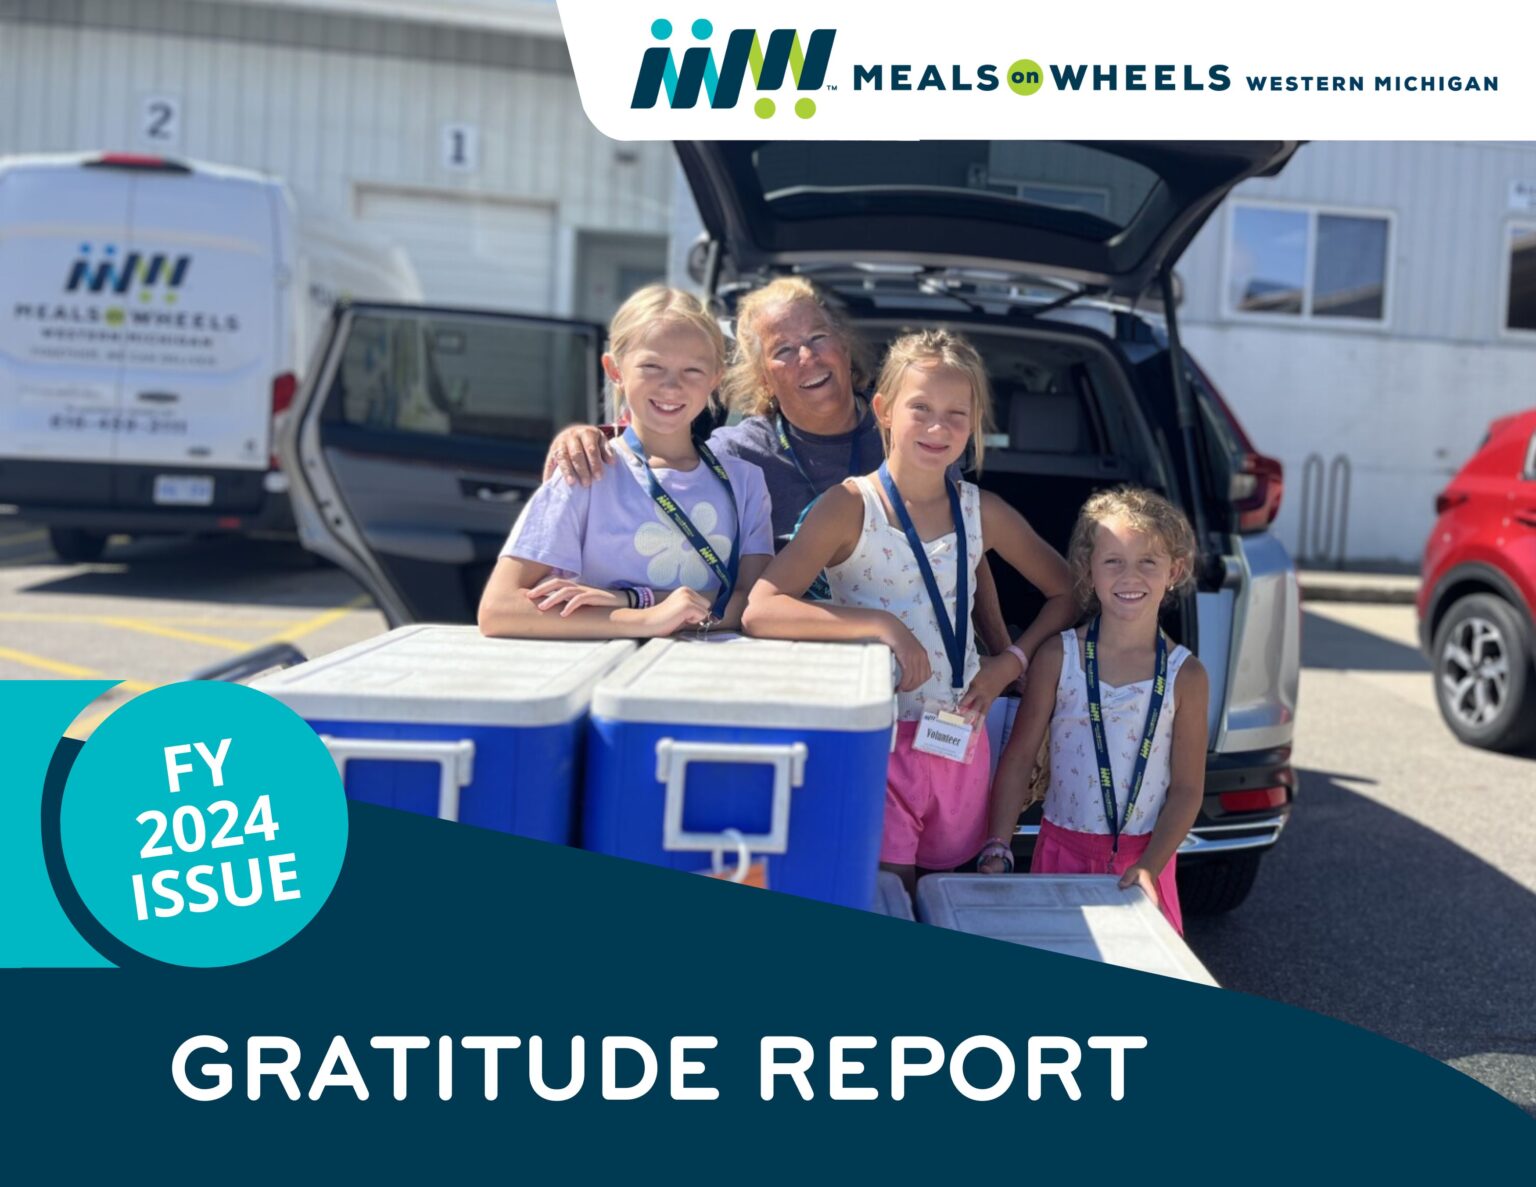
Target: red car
[{"x": 1478, "y": 594}]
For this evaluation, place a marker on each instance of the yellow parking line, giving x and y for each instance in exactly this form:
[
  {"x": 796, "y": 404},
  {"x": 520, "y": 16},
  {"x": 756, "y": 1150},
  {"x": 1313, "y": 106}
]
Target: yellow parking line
[
  {"x": 146, "y": 626},
  {"x": 310, "y": 625},
  {"x": 82, "y": 727},
  {"x": 41, "y": 616},
  {"x": 170, "y": 632},
  {"x": 59, "y": 668}
]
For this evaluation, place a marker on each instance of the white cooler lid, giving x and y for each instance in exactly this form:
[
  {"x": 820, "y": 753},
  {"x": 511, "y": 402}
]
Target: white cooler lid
[
  {"x": 448, "y": 675},
  {"x": 767, "y": 683},
  {"x": 1076, "y": 915}
]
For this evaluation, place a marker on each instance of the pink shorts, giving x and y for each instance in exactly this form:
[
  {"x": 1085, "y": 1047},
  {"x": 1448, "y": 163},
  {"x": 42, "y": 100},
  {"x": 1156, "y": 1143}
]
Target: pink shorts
[
  {"x": 935, "y": 808},
  {"x": 1064, "y": 851}
]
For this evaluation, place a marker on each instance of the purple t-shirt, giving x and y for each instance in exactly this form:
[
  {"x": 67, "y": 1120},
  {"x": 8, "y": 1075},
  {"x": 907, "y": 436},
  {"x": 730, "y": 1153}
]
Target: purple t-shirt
[{"x": 612, "y": 534}]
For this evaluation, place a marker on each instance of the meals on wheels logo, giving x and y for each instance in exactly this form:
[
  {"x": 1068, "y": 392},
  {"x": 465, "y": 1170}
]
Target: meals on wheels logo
[
  {"x": 101, "y": 310},
  {"x": 690, "y": 67},
  {"x": 722, "y": 82},
  {"x": 115, "y": 272}
]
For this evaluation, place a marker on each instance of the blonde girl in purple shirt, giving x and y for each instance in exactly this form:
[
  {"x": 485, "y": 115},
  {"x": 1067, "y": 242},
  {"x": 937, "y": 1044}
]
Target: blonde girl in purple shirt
[{"x": 678, "y": 539}]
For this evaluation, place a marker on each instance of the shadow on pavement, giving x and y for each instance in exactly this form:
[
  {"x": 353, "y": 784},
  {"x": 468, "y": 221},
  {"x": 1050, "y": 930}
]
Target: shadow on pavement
[
  {"x": 220, "y": 569},
  {"x": 1367, "y": 916},
  {"x": 1327, "y": 643}
]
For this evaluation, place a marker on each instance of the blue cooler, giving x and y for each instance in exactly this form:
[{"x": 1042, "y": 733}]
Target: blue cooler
[
  {"x": 728, "y": 753},
  {"x": 442, "y": 721}
]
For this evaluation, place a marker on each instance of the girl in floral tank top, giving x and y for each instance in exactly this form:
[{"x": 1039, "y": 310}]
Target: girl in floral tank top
[
  {"x": 1125, "y": 707},
  {"x": 900, "y": 549}
]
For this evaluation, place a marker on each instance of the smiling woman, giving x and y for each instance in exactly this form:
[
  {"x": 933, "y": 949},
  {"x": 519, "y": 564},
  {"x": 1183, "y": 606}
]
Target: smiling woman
[{"x": 793, "y": 377}]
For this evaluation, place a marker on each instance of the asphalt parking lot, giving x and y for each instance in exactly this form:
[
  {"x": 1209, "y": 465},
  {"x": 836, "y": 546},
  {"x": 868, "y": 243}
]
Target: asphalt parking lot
[
  {"x": 154, "y": 611},
  {"x": 1402, "y": 897}
]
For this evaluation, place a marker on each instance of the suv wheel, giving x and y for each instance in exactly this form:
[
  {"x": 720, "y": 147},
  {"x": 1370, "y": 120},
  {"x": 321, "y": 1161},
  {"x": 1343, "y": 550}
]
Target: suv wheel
[
  {"x": 1483, "y": 678},
  {"x": 1216, "y": 885},
  {"x": 77, "y": 544}
]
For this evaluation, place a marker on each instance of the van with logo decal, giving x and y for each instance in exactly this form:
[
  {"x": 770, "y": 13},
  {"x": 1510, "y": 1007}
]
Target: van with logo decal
[{"x": 154, "y": 316}]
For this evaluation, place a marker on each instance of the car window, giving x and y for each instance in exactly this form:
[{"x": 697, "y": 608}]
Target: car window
[
  {"x": 1221, "y": 430},
  {"x": 1105, "y": 188},
  {"x": 448, "y": 375}
]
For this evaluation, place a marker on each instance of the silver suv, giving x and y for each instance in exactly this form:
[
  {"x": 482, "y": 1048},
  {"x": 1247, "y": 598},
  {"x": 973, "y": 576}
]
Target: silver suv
[{"x": 421, "y": 431}]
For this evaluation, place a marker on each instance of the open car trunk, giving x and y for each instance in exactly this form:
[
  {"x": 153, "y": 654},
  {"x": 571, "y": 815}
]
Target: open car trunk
[{"x": 1111, "y": 215}]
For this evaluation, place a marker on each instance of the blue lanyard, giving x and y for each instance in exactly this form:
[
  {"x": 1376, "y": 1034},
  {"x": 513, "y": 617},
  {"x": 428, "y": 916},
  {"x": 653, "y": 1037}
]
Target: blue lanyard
[
  {"x": 725, "y": 574},
  {"x": 820, "y": 589},
  {"x": 788, "y": 448},
  {"x": 957, "y": 636},
  {"x": 1101, "y": 746}
]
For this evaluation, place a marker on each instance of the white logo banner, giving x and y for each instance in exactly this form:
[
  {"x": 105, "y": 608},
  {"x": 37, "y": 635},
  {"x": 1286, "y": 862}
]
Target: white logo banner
[{"x": 966, "y": 69}]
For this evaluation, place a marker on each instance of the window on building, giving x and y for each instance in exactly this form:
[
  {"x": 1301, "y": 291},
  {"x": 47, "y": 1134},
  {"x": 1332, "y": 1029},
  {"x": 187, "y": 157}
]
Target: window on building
[
  {"x": 1520, "y": 310},
  {"x": 1291, "y": 262}
]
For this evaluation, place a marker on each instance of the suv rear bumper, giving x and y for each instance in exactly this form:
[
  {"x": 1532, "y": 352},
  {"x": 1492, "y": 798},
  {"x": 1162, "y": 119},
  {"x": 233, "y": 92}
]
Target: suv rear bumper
[{"x": 1221, "y": 829}]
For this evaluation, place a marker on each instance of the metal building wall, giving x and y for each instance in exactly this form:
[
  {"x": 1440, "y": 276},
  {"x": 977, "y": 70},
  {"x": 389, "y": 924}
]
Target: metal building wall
[
  {"x": 337, "y": 105},
  {"x": 1404, "y": 403}
]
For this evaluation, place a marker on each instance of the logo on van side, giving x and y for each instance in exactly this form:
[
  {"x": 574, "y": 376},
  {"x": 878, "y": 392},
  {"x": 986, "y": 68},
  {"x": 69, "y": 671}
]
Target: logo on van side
[
  {"x": 108, "y": 272},
  {"x": 743, "y": 51}
]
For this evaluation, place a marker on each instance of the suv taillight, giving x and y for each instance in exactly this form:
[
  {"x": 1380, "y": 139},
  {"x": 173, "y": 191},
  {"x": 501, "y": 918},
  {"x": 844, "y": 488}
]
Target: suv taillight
[
  {"x": 283, "y": 388},
  {"x": 1256, "y": 491},
  {"x": 1254, "y": 800}
]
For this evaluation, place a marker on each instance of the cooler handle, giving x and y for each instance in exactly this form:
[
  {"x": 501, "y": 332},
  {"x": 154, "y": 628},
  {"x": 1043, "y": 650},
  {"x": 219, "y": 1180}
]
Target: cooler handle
[
  {"x": 743, "y": 856},
  {"x": 455, "y": 762},
  {"x": 672, "y": 759}
]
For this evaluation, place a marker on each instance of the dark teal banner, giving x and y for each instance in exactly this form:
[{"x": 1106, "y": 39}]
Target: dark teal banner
[{"x": 438, "y": 930}]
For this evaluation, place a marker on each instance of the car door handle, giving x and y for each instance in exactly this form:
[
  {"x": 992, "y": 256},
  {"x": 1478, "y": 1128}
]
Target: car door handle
[
  {"x": 489, "y": 490},
  {"x": 487, "y": 494}
]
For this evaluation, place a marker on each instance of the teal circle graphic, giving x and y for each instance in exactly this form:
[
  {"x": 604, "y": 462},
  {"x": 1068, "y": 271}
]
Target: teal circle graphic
[
  {"x": 661, "y": 29},
  {"x": 204, "y": 824},
  {"x": 702, "y": 28}
]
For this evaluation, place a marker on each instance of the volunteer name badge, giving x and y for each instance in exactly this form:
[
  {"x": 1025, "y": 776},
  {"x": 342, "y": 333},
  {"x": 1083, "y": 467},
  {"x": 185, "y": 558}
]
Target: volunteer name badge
[{"x": 946, "y": 734}]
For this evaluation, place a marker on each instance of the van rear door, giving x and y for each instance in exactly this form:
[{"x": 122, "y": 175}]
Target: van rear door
[
  {"x": 62, "y": 228},
  {"x": 205, "y": 337}
]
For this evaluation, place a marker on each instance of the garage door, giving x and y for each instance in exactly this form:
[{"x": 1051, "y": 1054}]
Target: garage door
[{"x": 469, "y": 251}]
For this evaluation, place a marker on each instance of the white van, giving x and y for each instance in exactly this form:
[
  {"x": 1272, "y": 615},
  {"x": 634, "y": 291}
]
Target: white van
[{"x": 154, "y": 317}]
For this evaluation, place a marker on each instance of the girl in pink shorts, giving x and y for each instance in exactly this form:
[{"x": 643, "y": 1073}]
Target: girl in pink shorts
[
  {"x": 1125, "y": 706},
  {"x": 900, "y": 548}
]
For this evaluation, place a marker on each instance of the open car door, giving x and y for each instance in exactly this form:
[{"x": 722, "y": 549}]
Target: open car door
[{"x": 417, "y": 437}]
